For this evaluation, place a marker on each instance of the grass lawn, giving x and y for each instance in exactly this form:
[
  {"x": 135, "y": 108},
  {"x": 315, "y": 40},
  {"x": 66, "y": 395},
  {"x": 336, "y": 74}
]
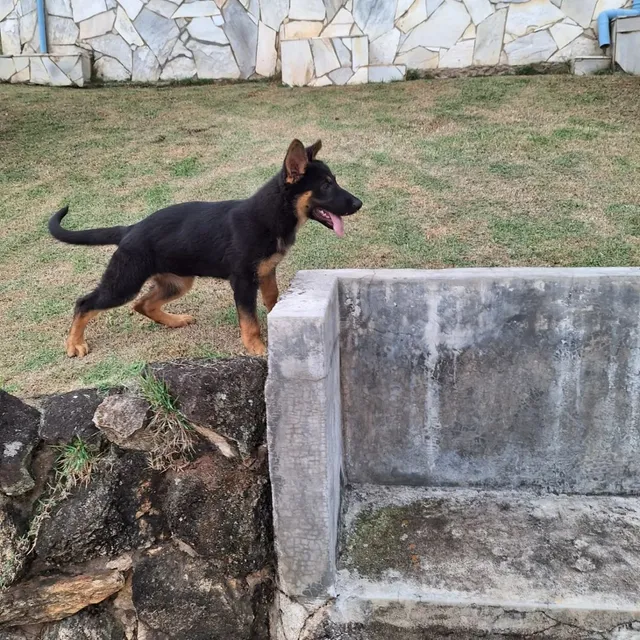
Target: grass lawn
[{"x": 535, "y": 170}]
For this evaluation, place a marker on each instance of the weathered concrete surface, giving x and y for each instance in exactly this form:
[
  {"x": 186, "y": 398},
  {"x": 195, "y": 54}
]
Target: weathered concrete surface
[
  {"x": 513, "y": 548},
  {"x": 497, "y": 378},
  {"x": 509, "y": 387},
  {"x": 590, "y": 65},
  {"x": 626, "y": 44},
  {"x": 543, "y": 625}
]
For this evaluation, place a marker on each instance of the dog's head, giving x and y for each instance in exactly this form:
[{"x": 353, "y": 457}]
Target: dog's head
[{"x": 316, "y": 193}]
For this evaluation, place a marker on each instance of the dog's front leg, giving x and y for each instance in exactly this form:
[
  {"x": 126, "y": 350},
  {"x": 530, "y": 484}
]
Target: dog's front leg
[
  {"x": 245, "y": 292},
  {"x": 269, "y": 290}
]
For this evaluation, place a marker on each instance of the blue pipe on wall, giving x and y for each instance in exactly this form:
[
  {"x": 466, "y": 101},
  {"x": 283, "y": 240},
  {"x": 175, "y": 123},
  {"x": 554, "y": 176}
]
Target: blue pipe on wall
[
  {"x": 42, "y": 26},
  {"x": 604, "y": 28}
]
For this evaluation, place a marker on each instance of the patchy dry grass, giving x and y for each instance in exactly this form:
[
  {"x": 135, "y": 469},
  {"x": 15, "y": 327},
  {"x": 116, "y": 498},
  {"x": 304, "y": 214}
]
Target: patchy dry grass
[{"x": 539, "y": 170}]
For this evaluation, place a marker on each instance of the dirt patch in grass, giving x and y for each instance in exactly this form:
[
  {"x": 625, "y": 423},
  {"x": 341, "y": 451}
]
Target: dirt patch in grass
[{"x": 539, "y": 170}]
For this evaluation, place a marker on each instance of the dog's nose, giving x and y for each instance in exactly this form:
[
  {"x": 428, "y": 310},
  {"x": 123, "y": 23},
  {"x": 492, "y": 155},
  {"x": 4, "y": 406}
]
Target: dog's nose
[{"x": 356, "y": 204}]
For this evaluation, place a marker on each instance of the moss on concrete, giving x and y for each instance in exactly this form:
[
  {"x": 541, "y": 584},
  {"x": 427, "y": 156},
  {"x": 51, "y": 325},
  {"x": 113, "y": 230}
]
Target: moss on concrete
[{"x": 392, "y": 537}]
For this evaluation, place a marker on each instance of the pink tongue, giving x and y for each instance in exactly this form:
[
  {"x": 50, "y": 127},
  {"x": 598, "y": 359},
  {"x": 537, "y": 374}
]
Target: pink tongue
[{"x": 338, "y": 227}]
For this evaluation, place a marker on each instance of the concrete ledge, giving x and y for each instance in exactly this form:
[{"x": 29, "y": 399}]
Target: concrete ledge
[
  {"x": 590, "y": 65},
  {"x": 304, "y": 435},
  {"x": 442, "y": 564},
  {"x": 512, "y": 549},
  {"x": 399, "y": 619},
  {"x": 55, "y": 70}
]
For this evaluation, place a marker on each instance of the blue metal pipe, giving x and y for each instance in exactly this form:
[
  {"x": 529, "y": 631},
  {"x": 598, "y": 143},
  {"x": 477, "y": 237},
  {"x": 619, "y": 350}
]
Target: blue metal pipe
[{"x": 42, "y": 26}]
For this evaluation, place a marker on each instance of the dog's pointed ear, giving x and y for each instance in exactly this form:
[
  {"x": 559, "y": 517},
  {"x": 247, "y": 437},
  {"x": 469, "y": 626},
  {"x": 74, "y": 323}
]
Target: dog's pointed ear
[
  {"x": 313, "y": 150},
  {"x": 295, "y": 162}
]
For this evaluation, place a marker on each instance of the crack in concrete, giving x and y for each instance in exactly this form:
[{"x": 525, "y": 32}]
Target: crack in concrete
[
  {"x": 605, "y": 635},
  {"x": 317, "y": 615},
  {"x": 314, "y": 619},
  {"x": 310, "y": 622}
]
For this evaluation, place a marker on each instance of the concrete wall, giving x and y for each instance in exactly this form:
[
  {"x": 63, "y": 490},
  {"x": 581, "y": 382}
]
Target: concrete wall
[
  {"x": 502, "y": 379},
  {"x": 488, "y": 378},
  {"x": 152, "y": 40}
]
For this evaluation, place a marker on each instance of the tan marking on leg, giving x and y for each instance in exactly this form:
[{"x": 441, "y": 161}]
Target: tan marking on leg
[
  {"x": 268, "y": 266},
  {"x": 269, "y": 290},
  {"x": 75, "y": 343},
  {"x": 302, "y": 207},
  {"x": 166, "y": 287},
  {"x": 250, "y": 333}
]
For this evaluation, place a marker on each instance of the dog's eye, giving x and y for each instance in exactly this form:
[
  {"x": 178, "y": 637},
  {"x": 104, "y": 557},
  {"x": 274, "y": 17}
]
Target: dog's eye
[{"x": 325, "y": 186}]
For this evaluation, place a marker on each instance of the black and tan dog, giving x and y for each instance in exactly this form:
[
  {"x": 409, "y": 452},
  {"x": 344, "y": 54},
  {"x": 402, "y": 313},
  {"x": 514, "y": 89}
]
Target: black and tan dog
[{"x": 239, "y": 240}]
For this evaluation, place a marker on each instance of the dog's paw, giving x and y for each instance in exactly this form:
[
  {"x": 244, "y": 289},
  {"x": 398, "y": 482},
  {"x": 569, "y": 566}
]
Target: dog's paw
[
  {"x": 180, "y": 320},
  {"x": 257, "y": 348},
  {"x": 76, "y": 349}
]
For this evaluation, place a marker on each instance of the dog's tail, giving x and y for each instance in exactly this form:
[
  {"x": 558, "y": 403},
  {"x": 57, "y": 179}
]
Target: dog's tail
[{"x": 109, "y": 235}]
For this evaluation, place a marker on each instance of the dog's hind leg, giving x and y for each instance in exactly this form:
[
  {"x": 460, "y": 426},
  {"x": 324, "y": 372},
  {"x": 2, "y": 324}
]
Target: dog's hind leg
[
  {"x": 245, "y": 292},
  {"x": 165, "y": 288},
  {"x": 120, "y": 283}
]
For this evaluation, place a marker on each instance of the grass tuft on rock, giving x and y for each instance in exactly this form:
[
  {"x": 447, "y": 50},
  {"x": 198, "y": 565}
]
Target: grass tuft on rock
[
  {"x": 74, "y": 466},
  {"x": 173, "y": 435}
]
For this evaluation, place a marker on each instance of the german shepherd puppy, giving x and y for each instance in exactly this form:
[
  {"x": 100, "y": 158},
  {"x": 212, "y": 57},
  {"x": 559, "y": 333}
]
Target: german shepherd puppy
[{"x": 237, "y": 240}]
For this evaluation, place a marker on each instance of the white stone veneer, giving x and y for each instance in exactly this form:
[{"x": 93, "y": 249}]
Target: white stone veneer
[{"x": 151, "y": 40}]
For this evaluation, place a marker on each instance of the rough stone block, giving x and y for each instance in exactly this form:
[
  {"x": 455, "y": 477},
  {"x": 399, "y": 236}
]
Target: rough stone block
[
  {"x": 93, "y": 623},
  {"x": 119, "y": 510},
  {"x": 54, "y": 70},
  {"x": 123, "y": 420},
  {"x": 55, "y": 597},
  {"x": 222, "y": 510},
  {"x": 19, "y": 424},
  {"x": 190, "y": 600},
  {"x": 223, "y": 395},
  {"x": 69, "y": 415}
]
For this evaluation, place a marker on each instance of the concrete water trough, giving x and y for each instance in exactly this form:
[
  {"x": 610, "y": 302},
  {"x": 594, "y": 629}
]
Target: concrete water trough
[{"x": 456, "y": 454}]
